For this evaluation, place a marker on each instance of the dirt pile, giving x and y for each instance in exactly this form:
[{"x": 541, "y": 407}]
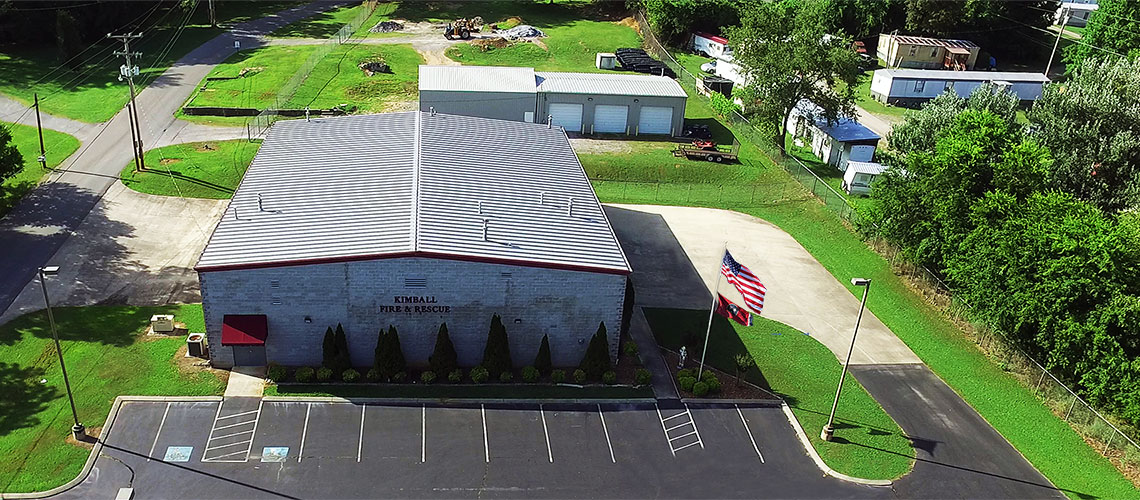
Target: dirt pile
[
  {"x": 520, "y": 31},
  {"x": 372, "y": 67},
  {"x": 386, "y": 27},
  {"x": 486, "y": 44},
  {"x": 631, "y": 22}
]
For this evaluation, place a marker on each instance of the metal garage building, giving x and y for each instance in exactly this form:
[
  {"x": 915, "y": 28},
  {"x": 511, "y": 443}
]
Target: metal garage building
[
  {"x": 589, "y": 103},
  {"x": 371, "y": 221}
]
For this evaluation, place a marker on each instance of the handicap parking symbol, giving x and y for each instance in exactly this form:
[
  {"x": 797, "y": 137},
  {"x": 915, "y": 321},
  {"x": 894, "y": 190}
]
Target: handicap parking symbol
[
  {"x": 274, "y": 453},
  {"x": 178, "y": 453}
]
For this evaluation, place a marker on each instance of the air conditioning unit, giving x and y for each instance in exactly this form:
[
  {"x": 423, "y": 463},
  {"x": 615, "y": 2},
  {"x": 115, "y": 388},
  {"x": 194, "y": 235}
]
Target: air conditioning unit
[
  {"x": 605, "y": 60},
  {"x": 162, "y": 323},
  {"x": 196, "y": 345}
]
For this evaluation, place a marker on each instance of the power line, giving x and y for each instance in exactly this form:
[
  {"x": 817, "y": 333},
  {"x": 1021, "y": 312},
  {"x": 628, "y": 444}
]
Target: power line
[
  {"x": 1079, "y": 42},
  {"x": 1067, "y": 10}
]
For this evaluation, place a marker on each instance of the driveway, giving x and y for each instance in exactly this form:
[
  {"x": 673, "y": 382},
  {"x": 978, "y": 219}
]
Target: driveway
[{"x": 676, "y": 252}]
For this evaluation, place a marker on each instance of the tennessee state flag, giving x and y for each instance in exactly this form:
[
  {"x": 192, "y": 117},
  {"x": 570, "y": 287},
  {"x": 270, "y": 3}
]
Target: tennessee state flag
[{"x": 726, "y": 308}]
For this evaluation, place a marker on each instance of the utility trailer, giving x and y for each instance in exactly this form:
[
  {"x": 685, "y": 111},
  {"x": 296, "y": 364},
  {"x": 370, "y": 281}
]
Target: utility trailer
[{"x": 708, "y": 151}]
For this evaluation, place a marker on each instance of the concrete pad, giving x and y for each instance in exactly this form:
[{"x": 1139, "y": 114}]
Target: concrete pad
[
  {"x": 676, "y": 253},
  {"x": 132, "y": 249},
  {"x": 246, "y": 382}
]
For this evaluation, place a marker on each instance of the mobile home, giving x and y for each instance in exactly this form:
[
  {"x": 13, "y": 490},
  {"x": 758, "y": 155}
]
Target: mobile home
[
  {"x": 836, "y": 143},
  {"x": 910, "y": 87},
  {"x": 901, "y": 51}
]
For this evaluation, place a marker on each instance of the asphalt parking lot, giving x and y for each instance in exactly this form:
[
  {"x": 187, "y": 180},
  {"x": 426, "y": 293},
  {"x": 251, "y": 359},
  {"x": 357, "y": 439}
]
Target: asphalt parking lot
[{"x": 250, "y": 448}]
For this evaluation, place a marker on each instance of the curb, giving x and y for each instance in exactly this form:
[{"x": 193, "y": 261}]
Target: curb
[
  {"x": 748, "y": 403},
  {"x": 819, "y": 461},
  {"x": 330, "y": 399}
]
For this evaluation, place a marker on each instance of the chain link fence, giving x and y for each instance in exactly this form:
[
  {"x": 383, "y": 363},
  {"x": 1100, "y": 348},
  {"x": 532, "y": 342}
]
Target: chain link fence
[
  {"x": 257, "y": 126},
  {"x": 1105, "y": 433}
]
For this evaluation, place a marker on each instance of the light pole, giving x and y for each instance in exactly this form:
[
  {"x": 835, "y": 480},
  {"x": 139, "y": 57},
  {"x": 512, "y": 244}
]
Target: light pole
[
  {"x": 829, "y": 429},
  {"x": 77, "y": 430}
]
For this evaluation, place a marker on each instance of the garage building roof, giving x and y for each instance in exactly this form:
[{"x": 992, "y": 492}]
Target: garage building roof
[
  {"x": 412, "y": 184},
  {"x": 630, "y": 84},
  {"x": 477, "y": 78}
]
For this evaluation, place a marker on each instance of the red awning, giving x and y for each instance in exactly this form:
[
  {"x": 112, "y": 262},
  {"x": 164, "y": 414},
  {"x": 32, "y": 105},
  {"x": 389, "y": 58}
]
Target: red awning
[{"x": 244, "y": 329}]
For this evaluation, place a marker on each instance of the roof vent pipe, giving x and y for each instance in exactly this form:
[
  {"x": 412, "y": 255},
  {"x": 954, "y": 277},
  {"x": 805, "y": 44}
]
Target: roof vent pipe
[
  {"x": 306, "y": 113},
  {"x": 570, "y": 208},
  {"x": 431, "y": 109},
  {"x": 260, "y": 207},
  {"x": 484, "y": 229},
  {"x": 542, "y": 197},
  {"x": 549, "y": 120},
  {"x": 479, "y": 206}
]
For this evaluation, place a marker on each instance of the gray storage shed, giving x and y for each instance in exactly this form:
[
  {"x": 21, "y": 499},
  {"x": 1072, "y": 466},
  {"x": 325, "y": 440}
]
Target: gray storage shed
[
  {"x": 588, "y": 103},
  {"x": 369, "y": 221}
]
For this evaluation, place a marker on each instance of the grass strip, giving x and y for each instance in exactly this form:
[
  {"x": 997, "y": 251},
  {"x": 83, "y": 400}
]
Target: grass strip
[
  {"x": 58, "y": 146},
  {"x": 194, "y": 170},
  {"x": 513, "y": 391}
]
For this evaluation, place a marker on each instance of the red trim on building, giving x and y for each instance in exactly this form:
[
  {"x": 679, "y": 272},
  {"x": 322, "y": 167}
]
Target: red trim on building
[
  {"x": 429, "y": 255},
  {"x": 244, "y": 329},
  {"x": 718, "y": 39}
]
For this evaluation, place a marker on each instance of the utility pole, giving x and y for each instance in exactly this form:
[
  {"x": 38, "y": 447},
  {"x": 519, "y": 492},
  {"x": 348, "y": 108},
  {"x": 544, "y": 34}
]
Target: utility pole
[
  {"x": 129, "y": 71},
  {"x": 40, "y": 129},
  {"x": 213, "y": 18},
  {"x": 1064, "y": 22}
]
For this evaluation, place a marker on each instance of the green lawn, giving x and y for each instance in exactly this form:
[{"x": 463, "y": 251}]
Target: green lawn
[
  {"x": 335, "y": 80},
  {"x": 58, "y": 146},
  {"x": 90, "y": 91},
  {"x": 193, "y": 170},
  {"x": 865, "y": 101},
  {"x": 327, "y": 23},
  {"x": 869, "y": 444},
  {"x": 105, "y": 358},
  {"x": 831, "y": 175},
  {"x": 536, "y": 391}
]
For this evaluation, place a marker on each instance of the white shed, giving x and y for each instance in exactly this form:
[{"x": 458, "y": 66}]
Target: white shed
[
  {"x": 836, "y": 143},
  {"x": 909, "y": 87},
  {"x": 859, "y": 176}
]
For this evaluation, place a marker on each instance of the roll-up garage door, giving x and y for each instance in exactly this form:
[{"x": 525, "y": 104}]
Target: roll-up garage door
[
  {"x": 610, "y": 119},
  {"x": 655, "y": 120},
  {"x": 567, "y": 116}
]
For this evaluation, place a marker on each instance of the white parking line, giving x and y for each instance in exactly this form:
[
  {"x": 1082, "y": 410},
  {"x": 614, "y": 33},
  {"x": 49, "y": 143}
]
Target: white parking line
[
  {"x": 423, "y": 434},
  {"x": 486, "y": 450},
  {"x": 232, "y": 435},
  {"x": 247, "y": 422},
  {"x": 675, "y": 427},
  {"x": 749, "y": 431},
  {"x": 304, "y": 430},
  {"x": 360, "y": 442},
  {"x": 690, "y": 444},
  {"x": 239, "y": 414},
  {"x": 227, "y": 445},
  {"x": 254, "y": 432},
  {"x": 663, "y": 429},
  {"x": 685, "y": 435},
  {"x": 216, "y": 459},
  {"x": 156, "y": 434},
  {"x": 607, "y": 431},
  {"x": 211, "y": 436},
  {"x": 695, "y": 430},
  {"x": 549, "y": 452}
]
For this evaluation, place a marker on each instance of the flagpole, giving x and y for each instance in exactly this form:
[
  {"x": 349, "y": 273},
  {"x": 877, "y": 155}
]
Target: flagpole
[{"x": 712, "y": 310}]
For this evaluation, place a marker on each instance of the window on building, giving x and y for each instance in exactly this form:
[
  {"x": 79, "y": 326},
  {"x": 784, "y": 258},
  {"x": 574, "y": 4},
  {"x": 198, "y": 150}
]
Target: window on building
[
  {"x": 415, "y": 282},
  {"x": 933, "y": 52},
  {"x": 919, "y": 85},
  {"x": 913, "y": 50},
  {"x": 950, "y": 86}
]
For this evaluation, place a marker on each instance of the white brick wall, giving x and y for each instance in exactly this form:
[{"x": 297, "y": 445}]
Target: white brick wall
[{"x": 566, "y": 305}]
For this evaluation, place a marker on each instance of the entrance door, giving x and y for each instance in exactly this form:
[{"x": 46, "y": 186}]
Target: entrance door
[
  {"x": 249, "y": 355},
  {"x": 610, "y": 119},
  {"x": 567, "y": 116}
]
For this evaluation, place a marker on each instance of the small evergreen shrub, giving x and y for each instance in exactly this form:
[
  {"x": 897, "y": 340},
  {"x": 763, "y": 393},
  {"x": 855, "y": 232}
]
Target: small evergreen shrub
[
  {"x": 389, "y": 357},
  {"x": 609, "y": 378},
  {"x": 642, "y": 376},
  {"x": 686, "y": 372},
  {"x": 350, "y": 375},
  {"x": 700, "y": 389},
  {"x": 579, "y": 376},
  {"x": 687, "y": 383},
  {"x": 630, "y": 348},
  {"x": 506, "y": 377},
  {"x": 324, "y": 374},
  {"x": 304, "y": 374},
  {"x": 427, "y": 377},
  {"x": 558, "y": 376},
  {"x": 400, "y": 377},
  {"x": 714, "y": 385},
  {"x": 542, "y": 360},
  {"x": 596, "y": 361},
  {"x": 444, "y": 358},
  {"x": 456, "y": 376},
  {"x": 497, "y": 353},
  {"x": 276, "y": 372},
  {"x": 708, "y": 375},
  {"x": 530, "y": 374},
  {"x": 374, "y": 375},
  {"x": 479, "y": 375}
]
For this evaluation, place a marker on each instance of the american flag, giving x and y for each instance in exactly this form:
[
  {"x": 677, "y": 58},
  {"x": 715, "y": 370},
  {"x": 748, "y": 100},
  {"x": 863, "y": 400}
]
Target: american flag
[{"x": 745, "y": 282}]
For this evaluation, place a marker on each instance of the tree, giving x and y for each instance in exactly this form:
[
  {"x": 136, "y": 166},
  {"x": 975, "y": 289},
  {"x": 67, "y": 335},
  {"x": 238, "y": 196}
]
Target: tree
[
  {"x": 1091, "y": 124},
  {"x": 675, "y": 20},
  {"x": 920, "y": 130},
  {"x": 787, "y": 53},
  {"x": 444, "y": 359},
  {"x": 1114, "y": 26},
  {"x": 328, "y": 349},
  {"x": 596, "y": 361},
  {"x": 11, "y": 161},
  {"x": 542, "y": 359},
  {"x": 344, "y": 361},
  {"x": 743, "y": 362},
  {"x": 389, "y": 355},
  {"x": 939, "y": 18},
  {"x": 497, "y": 353},
  {"x": 860, "y": 18}
]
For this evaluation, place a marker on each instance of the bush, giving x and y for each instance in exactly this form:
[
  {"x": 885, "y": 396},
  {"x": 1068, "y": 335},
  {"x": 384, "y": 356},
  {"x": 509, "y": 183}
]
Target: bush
[
  {"x": 558, "y": 376},
  {"x": 687, "y": 383},
  {"x": 443, "y": 358},
  {"x": 479, "y": 374},
  {"x": 708, "y": 375},
  {"x": 389, "y": 356},
  {"x": 642, "y": 376},
  {"x": 686, "y": 372},
  {"x": 714, "y": 385},
  {"x": 324, "y": 374},
  {"x": 630, "y": 348},
  {"x": 530, "y": 374},
  {"x": 542, "y": 360},
  {"x": 427, "y": 377},
  {"x": 609, "y": 378},
  {"x": 506, "y": 377},
  {"x": 304, "y": 374},
  {"x": 400, "y": 377},
  {"x": 276, "y": 372},
  {"x": 700, "y": 389},
  {"x": 722, "y": 105},
  {"x": 374, "y": 375},
  {"x": 596, "y": 361},
  {"x": 580, "y": 376},
  {"x": 350, "y": 375},
  {"x": 497, "y": 353},
  {"x": 456, "y": 376}
]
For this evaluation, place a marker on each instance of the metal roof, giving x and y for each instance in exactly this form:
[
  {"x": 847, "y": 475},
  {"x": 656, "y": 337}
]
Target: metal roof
[
  {"x": 934, "y": 42},
  {"x": 406, "y": 184},
  {"x": 608, "y": 84},
  {"x": 845, "y": 129},
  {"x": 719, "y": 39},
  {"x": 477, "y": 78},
  {"x": 866, "y": 167},
  {"x": 982, "y": 76}
]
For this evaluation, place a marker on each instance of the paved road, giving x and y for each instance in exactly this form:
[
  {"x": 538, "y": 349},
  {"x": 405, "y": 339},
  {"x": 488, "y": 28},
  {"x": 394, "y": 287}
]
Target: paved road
[
  {"x": 12, "y": 110},
  {"x": 39, "y": 225},
  {"x": 958, "y": 454}
]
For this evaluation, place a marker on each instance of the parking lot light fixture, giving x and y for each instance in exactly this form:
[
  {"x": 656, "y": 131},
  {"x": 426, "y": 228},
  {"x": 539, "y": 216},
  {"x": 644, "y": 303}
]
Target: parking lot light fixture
[
  {"x": 828, "y": 431},
  {"x": 77, "y": 430}
]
